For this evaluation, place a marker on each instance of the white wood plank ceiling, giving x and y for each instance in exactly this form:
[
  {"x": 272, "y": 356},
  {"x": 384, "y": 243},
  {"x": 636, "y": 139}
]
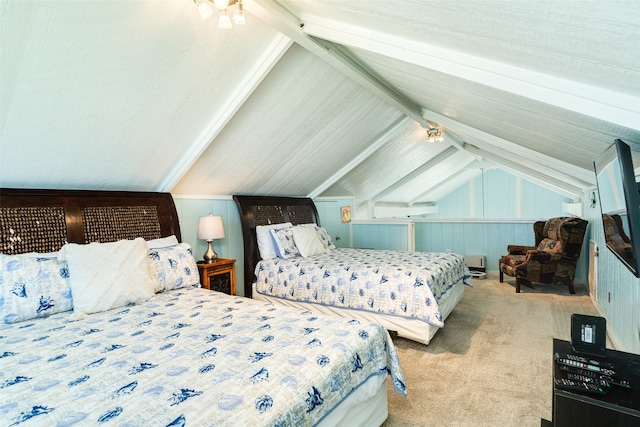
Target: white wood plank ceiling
[{"x": 315, "y": 97}]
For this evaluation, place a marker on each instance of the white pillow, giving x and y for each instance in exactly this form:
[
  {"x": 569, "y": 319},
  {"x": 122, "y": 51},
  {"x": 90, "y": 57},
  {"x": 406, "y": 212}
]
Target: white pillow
[
  {"x": 47, "y": 255},
  {"x": 108, "y": 275},
  {"x": 323, "y": 235},
  {"x": 307, "y": 240},
  {"x": 162, "y": 242},
  {"x": 33, "y": 285},
  {"x": 266, "y": 244},
  {"x": 174, "y": 267}
]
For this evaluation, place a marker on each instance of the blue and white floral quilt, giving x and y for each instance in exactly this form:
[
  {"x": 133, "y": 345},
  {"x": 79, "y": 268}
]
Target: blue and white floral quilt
[
  {"x": 188, "y": 357},
  {"x": 405, "y": 284}
]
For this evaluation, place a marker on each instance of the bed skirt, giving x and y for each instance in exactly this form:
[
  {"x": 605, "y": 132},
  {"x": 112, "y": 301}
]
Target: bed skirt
[
  {"x": 413, "y": 329},
  {"x": 366, "y": 406}
]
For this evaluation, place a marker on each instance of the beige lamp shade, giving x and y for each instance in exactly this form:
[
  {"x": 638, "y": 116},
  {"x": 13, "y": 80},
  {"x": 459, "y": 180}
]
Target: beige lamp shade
[{"x": 210, "y": 227}]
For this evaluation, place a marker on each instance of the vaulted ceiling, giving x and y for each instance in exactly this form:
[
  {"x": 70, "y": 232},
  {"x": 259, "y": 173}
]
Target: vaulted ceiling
[{"x": 315, "y": 97}]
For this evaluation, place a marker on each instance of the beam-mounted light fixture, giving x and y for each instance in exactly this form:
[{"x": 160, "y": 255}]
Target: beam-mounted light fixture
[
  {"x": 434, "y": 135},
  {"x": 205, "y": 8}
]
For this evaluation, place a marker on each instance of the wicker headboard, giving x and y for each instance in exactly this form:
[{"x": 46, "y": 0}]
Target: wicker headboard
[
  {"x": 44, "y": 220},
  {"x": 265, "y": 210}
]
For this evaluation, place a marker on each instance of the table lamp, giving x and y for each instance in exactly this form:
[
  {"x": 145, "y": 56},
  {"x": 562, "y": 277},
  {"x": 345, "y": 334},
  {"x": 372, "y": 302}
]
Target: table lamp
[{"x": 209, "y": 228}]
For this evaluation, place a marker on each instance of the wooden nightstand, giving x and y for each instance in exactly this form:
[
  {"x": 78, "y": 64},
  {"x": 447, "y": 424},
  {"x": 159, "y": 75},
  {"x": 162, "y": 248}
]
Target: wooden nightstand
[{"x": 219, "y": 275}]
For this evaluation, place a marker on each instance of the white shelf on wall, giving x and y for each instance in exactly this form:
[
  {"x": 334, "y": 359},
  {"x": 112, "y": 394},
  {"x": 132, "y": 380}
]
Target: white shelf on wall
[{"x": 573, "y": 208}]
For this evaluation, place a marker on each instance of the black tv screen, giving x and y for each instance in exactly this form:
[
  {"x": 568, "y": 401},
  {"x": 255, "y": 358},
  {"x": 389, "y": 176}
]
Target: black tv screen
[{"x": 620, "y": 203}]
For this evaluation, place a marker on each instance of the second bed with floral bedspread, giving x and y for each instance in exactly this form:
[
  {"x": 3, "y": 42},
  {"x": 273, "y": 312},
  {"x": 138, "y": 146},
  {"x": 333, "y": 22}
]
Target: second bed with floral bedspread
[{"x": 404, "y": 284}]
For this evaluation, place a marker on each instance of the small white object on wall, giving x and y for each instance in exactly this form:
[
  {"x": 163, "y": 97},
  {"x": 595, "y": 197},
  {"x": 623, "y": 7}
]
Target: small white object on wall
[{"x": 573, "y": 208}]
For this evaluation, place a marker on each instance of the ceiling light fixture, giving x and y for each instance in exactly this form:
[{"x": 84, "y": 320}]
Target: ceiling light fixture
[
  {"x": 206, "y": 10},
  {"x": 434, "y": 135}
]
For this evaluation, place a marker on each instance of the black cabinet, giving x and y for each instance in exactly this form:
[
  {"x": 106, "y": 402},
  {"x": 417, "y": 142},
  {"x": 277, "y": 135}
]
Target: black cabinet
[
  {"x": 221, "y": 283},
  {"x": 617, "y": 407}
]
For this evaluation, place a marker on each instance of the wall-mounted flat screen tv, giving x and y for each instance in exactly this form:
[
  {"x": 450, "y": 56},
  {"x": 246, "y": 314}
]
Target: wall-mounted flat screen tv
[{"x": 620, "y": 203}]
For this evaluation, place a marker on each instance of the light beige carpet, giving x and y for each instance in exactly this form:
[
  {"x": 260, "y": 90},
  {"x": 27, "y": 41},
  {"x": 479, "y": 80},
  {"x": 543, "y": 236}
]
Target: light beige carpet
[{"x": 491, "y": 363}]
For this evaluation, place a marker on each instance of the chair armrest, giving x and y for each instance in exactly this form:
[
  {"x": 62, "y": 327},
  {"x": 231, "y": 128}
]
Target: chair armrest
[
  {"x": 542, "y": 256},
  {"x": 519, "y": 249}
]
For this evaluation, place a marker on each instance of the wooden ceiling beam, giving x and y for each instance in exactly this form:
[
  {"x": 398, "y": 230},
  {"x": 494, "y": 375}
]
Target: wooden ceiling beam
[
  {"x": 387, "y": 136},
  {"x": 242, "y": 92},
  {"x": 575, "y": 176},
  {"x": 445, "y": 153},
  {"x": 444, "y": 179},
  {"x": 603, "y": 104},
  {"x": 556, "y": 184},
  {"x": 284, "y": 21}
]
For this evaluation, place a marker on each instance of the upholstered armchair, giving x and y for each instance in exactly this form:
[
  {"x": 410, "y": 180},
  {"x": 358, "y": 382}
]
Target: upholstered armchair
[{"x": 553, "y": 259}]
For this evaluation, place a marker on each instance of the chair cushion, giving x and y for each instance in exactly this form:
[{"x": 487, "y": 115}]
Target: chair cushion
[{"x": 512, "y": 260}]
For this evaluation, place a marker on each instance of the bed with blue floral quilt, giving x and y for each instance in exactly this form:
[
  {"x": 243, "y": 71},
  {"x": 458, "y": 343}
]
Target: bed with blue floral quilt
[
  {"x": 291, "y": 260},
  {"x": 188, "y": 357},
  {"x": 393, "y": 286},
  {"x": 103, "y": 322}
]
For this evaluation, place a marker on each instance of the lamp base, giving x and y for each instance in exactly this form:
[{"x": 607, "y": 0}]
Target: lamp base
[{"x": 211, "y": 255}]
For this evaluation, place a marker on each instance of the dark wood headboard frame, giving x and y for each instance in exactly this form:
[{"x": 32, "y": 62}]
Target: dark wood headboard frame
[
  {"x": 266, "y": 210},
  {"x": 36, "y": 220}
]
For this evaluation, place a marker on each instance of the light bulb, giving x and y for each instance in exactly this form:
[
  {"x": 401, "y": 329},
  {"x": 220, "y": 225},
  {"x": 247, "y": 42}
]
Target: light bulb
[
  {"x": 224, "y": 21},
  {"x": 238, "y": 15},
  {"x": 434, "y": 135},
  {"x": 221, "y": 4},
  {"x": 204, "y": 9}
]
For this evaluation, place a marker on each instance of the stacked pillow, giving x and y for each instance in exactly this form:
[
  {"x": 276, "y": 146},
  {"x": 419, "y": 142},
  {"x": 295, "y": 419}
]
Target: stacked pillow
[
  {"x": 287, "y": 241},
  {"x": 33, "y": 285},
  {"x": 92, "y": 278},
  {"x": 284, "y": 243},
  {"x": 266, "y": 245},
  {"x": 174, "y": 267}
]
